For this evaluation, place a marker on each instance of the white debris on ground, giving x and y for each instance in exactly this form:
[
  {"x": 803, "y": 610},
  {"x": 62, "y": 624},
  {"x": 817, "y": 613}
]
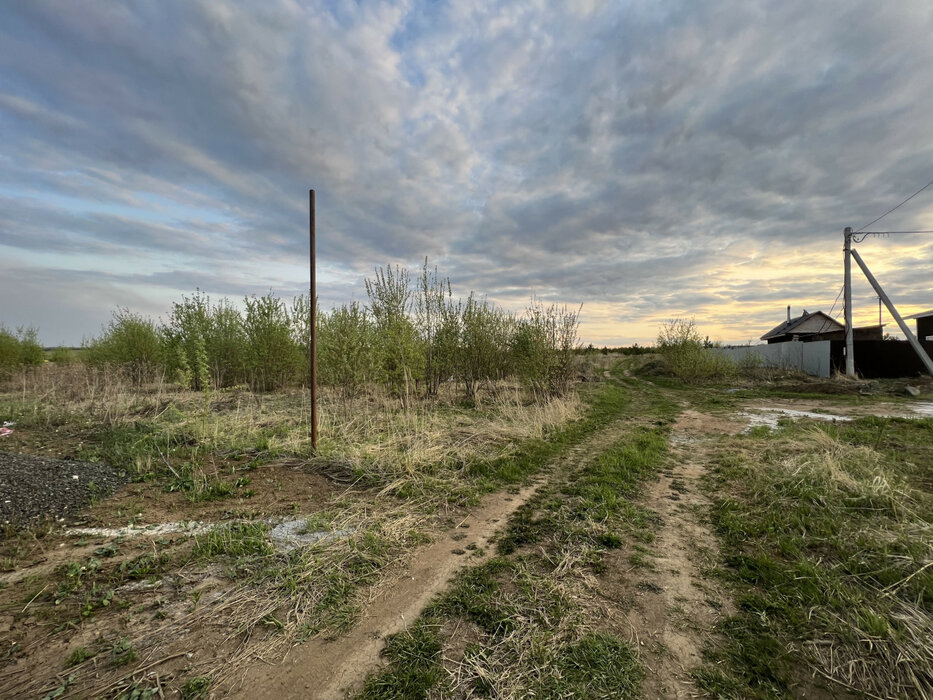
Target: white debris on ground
[
  {"x": 286, "y": 535},
  {"x": 770, "y": 416},
  {"x": 291, "y": 534},
  {"x": 192, "y": 527}
]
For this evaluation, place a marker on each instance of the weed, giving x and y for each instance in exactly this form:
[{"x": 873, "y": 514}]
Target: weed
[
  {"x": 235, "y": 540},
  {"x": 122, "y": 652},
  {"x": 195, "y": 688},
  {"x": 414, "y": 670},
  {"x": 79, "y": 656}
]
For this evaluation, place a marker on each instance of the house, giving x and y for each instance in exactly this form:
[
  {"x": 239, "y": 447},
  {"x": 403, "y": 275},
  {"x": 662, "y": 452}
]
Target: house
[
  {"x": 924, "y": 324},
  {"x": 817, "y": 326}
]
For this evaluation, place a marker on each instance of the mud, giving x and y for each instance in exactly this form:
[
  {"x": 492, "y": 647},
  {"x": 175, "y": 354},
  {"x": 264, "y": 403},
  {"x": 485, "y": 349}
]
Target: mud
[{"x": 329, "y": 669}]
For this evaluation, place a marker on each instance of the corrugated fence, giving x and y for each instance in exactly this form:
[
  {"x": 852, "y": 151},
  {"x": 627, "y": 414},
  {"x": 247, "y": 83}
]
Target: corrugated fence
[{"x": 812, "y": 358}]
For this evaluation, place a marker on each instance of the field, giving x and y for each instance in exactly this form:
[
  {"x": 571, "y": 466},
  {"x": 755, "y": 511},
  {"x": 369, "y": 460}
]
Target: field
[{"x": 636, "y": 535}]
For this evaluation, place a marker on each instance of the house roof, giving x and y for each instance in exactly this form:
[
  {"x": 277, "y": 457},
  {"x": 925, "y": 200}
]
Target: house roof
[
  {"x": 825, "y": 324},
  {"x": 922, "y": 314}
]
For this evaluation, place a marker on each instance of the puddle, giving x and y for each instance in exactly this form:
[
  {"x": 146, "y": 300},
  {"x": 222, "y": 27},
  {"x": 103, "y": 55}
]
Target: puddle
[
  {"x": 291, "y": 534},
  {"x": 924, "y": 408},
  {"x": 770, "y": 416}
]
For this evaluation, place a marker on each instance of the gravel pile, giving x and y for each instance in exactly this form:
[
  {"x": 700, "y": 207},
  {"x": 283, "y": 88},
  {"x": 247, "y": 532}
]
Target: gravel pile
[{"x": 35, "y": 488}]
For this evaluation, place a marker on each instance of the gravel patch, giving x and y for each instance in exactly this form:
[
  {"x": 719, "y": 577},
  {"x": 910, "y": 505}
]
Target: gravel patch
[{"x": 34, "y": 488}]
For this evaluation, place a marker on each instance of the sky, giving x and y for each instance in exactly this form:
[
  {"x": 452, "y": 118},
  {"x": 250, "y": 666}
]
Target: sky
[{"x": 648, "y": 159}]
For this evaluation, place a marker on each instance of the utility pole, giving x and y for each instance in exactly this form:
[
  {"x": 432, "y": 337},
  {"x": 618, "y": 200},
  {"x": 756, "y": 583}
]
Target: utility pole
[
  {"x": 847, "y": 301},
  {"x": 312, "y": 339},
  {"x": 905, "y": 329}
]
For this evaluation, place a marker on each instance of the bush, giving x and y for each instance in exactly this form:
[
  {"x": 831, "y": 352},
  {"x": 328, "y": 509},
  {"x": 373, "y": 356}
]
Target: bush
[
  {"x": 400, "y": 353},
  {"x": 543, "y": 347},
  {"x": 30, "y": 351},
  {"x": 9, "y": 352},
  {"x": 686, "y": 353},
  {"x": 484, "y": 345},
  {"x": 438, "y": 321},
  {"x": 346, "y": 347},
  {"x": 206, "y": 344},
  {"x": 130, "y": 342},
  {"x": 62, "y": 355},
  {"x": 272, "y": 357}
]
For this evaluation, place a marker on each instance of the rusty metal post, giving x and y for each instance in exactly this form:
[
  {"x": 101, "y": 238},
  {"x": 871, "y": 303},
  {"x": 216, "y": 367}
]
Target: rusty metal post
[{"x": 312, "y": 340}]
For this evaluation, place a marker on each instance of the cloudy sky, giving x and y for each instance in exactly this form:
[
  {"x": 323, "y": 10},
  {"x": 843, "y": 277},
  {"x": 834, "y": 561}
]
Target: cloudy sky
[{"x": 647, "y": 159}]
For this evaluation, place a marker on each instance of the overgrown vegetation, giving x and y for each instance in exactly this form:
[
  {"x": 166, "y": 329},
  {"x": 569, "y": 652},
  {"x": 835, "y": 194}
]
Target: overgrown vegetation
[
  {"x": 19, "y": 349},
  {"x": 412, "y": 338},
  {"x": 825, "y": 531},
  {"x": 686, "y": 353}
]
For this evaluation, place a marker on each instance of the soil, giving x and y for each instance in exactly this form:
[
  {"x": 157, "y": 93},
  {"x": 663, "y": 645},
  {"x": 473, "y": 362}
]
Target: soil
[
  {"x": 335, "y": 669},
  {"x": 32, "y": 487},
  {"x": 668, "y": 607},
  {"x": 331, "y": 668}
]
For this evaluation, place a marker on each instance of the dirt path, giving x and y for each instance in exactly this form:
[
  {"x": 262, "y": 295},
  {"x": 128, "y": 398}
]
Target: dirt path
[
  {"x": 673, "y": 608},
  {"x": 331, "y": 669}
]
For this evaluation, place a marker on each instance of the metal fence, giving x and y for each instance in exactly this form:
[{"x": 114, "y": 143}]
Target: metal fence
[{"x": 813, "y": 358}]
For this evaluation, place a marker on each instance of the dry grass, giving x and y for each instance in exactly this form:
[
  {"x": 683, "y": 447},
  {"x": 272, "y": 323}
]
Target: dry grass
[
  {"x": 830, "y": 525},
  {"x": 375, "y": 434},
  {"x": 412, "y": 460}
]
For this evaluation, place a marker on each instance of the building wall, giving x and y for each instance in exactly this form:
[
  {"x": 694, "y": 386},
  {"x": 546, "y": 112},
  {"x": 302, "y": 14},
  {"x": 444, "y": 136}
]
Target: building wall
[
  {"x": 925, "y": 328},
  {"x": 813, "y": 358},
  {"x": 882, "y": 358}
]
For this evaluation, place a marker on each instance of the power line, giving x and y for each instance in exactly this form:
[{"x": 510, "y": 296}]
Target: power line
[
  {"x": 888, "y": 233},
  {"x": 830, "y": 314},
  {"x": 897, "y": 207}
]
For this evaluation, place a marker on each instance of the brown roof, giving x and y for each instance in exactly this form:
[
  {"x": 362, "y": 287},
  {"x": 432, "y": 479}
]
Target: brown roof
[{"x": 788, "y": 327}]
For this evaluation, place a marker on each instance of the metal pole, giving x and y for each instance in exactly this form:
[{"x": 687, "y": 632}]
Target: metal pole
[
  {"x": 312, "y": 340},
  {"x": 847, "y": 300},
  {"x": 915, "y": 344}
]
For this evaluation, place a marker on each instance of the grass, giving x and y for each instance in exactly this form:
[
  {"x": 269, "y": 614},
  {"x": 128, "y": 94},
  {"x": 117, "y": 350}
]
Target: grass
[
  {"x": 535, "y": 634},
  {"x": 411, "y": 460},
  {"x": 825, "y": 534}
]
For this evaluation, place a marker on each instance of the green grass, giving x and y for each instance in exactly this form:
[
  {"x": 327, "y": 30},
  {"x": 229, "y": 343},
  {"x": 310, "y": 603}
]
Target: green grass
[
  {"x": 525, "y": 605},
  {"x": 825, "y": 537},
  {"x": 235, "y": 541}
]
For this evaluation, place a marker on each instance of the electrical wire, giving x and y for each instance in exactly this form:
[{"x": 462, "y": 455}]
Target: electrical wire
[
  {"x": 830, "y": 314},
  {"x": 885, "y": 233},
  {"x": 897, "y": 207}
]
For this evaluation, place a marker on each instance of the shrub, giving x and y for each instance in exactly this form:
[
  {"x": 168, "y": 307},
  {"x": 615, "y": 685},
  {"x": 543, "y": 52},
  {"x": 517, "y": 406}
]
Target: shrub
[
  {"x": 9, "y": 351},
  {"x": 30, "y": 351},
  {"x": 400, "y": 353},
  {"x": 62, "y": 355},
  {"x": 130, "y": 342},
  {"x": 543, "y": 347},
  {"x": 438, "y": 323},
  {"x": 686, "y": 354},
  {"x": 206, "y": 343},
  {"x": 272, "y": 358},
  {"x": 484, "y": 344},
  {"x": 346, "y": 349}
]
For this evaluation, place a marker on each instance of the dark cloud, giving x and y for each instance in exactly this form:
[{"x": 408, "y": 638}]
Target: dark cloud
[{"x": 647, "y": 159}]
